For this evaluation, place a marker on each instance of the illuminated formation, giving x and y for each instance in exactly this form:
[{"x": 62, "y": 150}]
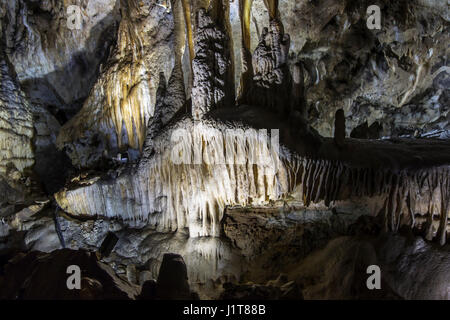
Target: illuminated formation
[
  {"x": 258, "y": 139},
  {"x": 116, "y": 113}
]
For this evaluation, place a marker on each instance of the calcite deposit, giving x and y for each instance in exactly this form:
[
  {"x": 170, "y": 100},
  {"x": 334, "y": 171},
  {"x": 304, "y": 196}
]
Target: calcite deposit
[{"x": 233, "y": 143}]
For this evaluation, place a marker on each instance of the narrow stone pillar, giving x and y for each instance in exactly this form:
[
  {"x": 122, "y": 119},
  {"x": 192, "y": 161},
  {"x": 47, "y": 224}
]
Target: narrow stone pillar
[
  {"x": 189, "y": 33},
  {"x": 245, "y": 7},
  {"x": 339, "y": 128}
]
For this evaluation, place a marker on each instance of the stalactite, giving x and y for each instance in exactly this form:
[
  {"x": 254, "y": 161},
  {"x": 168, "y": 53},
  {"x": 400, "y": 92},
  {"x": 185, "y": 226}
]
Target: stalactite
[
  {"x": 406, "y": 200},
  {"x": 181, "y": 29},
  {"x": 274, "y": 12},
  {"x": 339, "y": 128},
  {"x": 245, "y": 7},
  {"x": 298, "y": 103},
  {"x": 189, "y": 31},
  {"x": 129, "y": 89},
  {"x": 170, "y": 194}
]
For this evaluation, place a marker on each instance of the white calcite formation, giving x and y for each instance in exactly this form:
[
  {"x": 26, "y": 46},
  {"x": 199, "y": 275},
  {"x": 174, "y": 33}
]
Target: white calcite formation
[{"x": 195, "y": 170}]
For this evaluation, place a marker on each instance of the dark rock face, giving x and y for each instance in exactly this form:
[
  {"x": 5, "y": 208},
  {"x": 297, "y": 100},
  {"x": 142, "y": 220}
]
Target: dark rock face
[
  {"x": 108, "y": 245},
  {"x": 339, "y": 128},
  {"x": 272, "y": 80},
  {"x": 38, "y": 275},
  {"x": 172, "y": 278},
  {"x": 148, "y": 291},
  {"x": 363, "y": 131}
]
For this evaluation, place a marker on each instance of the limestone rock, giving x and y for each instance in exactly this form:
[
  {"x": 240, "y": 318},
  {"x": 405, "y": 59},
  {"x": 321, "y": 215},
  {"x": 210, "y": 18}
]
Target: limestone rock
[
  {"x": 56, "y": 47},
  {"x": 38, "y": 275}
]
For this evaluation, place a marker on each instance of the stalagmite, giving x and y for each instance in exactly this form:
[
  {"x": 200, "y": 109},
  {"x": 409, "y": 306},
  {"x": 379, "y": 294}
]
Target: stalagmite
[
  {"x": 272, "y": 7},
  {"x": 189, "y": 32},
  {"x": 339, "y": 128}
]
